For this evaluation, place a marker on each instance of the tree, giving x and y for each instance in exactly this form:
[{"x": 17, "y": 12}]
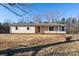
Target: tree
[
  {"x": 78, "y": 26},
  {"x": 52, "y": 16},
  {"x": 72, "y": 25},
  {"x": 37, "y": 19},
  {"x": 63, "y": 21},
  {"x": 78, "y": 23},
  {"x": 0, "y": 24},
  {"x": 5, "y": 27},
  {"x": 74, "y": 21},
  {"x": 22, "y": 21},
  {"x": 0, "y": 27}
]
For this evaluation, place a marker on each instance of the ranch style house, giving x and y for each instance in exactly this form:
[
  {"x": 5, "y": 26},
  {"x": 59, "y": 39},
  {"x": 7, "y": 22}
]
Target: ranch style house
[{"x": 38, "y": 28}]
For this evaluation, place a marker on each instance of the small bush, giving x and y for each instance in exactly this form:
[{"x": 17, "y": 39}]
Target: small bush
[
  {"x": 72, "y": 30},
  {"x": 68, "y": 38}
]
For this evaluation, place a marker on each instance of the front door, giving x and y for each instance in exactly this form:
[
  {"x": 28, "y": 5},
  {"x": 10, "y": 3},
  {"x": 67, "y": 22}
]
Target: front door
[{"x": 37, "y": 29}]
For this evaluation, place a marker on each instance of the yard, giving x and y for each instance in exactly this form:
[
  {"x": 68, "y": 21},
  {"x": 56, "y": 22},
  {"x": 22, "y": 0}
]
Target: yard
[{"x": 38, "y": 44}]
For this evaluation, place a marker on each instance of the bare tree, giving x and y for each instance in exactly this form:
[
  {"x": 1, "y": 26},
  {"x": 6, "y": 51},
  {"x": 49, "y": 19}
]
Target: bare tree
[
  {"x": 72, "y": 25},
  {"x": 21, "y": 21},
  {"x": 52, "y": 16},
  {"x": 37, "y": 19},
  {"x": 78, "y": 23}
]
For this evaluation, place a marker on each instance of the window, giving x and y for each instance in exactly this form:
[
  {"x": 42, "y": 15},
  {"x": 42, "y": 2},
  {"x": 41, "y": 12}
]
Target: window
[
  {"x": 27, "y": 28},
  {"x": 62, "y": 28},
  {"x": 16, "y": 28},
  {"x": 51, "y": 29}
]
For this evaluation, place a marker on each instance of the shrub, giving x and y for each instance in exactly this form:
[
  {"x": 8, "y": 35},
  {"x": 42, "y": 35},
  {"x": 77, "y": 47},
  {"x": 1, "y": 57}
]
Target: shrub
[{"x": 72, "y": 30}]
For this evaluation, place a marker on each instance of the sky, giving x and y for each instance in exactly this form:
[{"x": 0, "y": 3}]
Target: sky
[{"x": 64, "y": 9}]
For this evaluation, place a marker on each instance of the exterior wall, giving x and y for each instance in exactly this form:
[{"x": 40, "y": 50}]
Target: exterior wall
[
  {"x": 22, "y": 30},
  {"x": 56, "y": 30},
  {"x": 43, "y": 29}
]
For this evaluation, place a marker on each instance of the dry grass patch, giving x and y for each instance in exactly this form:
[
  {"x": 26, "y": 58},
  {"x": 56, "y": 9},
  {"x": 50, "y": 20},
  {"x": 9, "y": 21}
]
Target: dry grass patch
[
  {"x": 13, "y": 40},
  {"x": 42, "y": 44}
]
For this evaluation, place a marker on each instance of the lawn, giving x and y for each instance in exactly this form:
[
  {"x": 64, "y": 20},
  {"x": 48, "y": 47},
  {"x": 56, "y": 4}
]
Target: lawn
[{"x": 40, "y": 44}]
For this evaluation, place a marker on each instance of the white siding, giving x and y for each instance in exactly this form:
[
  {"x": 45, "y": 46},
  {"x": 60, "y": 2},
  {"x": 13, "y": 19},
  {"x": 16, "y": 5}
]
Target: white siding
[
  {"x": 46, "y": 30},
  {"x": 55, "y": 32},
  {"x": 22, "y": 30},
  {"x": 32, "y": 30}
]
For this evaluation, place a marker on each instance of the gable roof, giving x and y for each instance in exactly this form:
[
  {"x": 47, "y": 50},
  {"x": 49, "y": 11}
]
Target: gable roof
[{"x": 39, "y": 24}]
